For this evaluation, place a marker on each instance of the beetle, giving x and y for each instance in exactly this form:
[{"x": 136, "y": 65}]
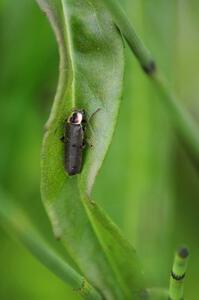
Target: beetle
[{"x": 74, "y": 141}]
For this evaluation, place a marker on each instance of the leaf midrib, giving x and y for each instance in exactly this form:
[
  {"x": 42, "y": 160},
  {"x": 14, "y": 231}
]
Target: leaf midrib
[{"x": 68, "y": 38}]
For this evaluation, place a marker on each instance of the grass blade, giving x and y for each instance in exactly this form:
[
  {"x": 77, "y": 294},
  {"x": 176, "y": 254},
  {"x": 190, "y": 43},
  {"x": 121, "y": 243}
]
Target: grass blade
[{"x": 15, "y": 222}]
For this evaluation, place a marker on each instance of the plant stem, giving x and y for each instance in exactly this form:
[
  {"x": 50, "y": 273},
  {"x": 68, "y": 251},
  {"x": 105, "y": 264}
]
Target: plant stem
[
  {"x": 184, "y": 125},
  {"x": 176, "y": 288},
  {"x": 135, "y": 43},
  {"x": 14, "y": 222}
]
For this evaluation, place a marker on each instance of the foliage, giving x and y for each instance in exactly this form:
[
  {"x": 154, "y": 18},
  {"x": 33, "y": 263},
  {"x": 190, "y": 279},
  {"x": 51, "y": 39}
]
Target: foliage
[{"x": 147, "y": 180}]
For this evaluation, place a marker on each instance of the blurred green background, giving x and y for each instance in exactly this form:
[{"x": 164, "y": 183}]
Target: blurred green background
[{"x": 147, "y": 184}]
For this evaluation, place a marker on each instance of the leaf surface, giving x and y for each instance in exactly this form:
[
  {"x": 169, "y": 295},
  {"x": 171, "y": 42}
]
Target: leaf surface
[
  {"x": 91, "y": 77},
  {"x": 16, "y": 223}
]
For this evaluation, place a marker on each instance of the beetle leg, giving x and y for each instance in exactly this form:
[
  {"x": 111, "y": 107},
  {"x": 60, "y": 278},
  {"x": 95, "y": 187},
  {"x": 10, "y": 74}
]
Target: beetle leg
[
  {"x": 82, "y": 146},
  {"x": 62, "y": 139}
]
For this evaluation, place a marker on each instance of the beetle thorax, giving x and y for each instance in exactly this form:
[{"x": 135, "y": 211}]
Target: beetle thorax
[{"x": 76, "y": 118}]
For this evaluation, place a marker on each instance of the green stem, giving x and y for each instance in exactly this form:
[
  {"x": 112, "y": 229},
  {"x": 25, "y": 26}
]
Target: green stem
[
  {"x": 14, "y": 221},
  {"x": 176, "y": 288},
  {"x": 137, "y": 46},
  {"x": 183, "y": 122}
]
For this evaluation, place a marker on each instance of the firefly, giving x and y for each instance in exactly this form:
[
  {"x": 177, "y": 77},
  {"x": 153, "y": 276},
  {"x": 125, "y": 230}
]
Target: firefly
[{"x": 74, "y": 141}]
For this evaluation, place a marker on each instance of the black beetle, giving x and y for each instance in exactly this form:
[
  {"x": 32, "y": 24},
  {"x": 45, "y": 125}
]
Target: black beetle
[{"x": 74, "y": 141}]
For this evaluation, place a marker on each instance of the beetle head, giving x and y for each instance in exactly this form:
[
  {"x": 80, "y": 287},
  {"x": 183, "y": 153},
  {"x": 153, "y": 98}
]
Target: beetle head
[{"x": 76, "y": 117}]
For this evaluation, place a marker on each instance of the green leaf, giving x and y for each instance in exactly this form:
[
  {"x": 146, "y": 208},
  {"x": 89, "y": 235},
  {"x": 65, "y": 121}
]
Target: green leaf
[
  {"x": 91, "y": 77},
  {"x": 16, "y": 223}
]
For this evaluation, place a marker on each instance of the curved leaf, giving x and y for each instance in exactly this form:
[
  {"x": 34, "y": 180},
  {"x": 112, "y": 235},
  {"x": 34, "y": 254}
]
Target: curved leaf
[
  {"x": 15, "y": 221},
  {"x": 91, "y": 74}
]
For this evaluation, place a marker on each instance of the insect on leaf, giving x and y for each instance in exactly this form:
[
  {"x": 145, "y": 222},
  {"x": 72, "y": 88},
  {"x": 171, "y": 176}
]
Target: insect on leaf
[{"x": 91, "y": 77}]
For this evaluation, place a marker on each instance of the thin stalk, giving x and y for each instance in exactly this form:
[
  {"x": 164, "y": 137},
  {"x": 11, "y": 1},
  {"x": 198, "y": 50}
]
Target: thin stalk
[
  {"x": 135, "y": 43},
  {"x": 14, "y": 222},
  {"x": 184, "y": 124},
  {"x": 176, "y": 288}
]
